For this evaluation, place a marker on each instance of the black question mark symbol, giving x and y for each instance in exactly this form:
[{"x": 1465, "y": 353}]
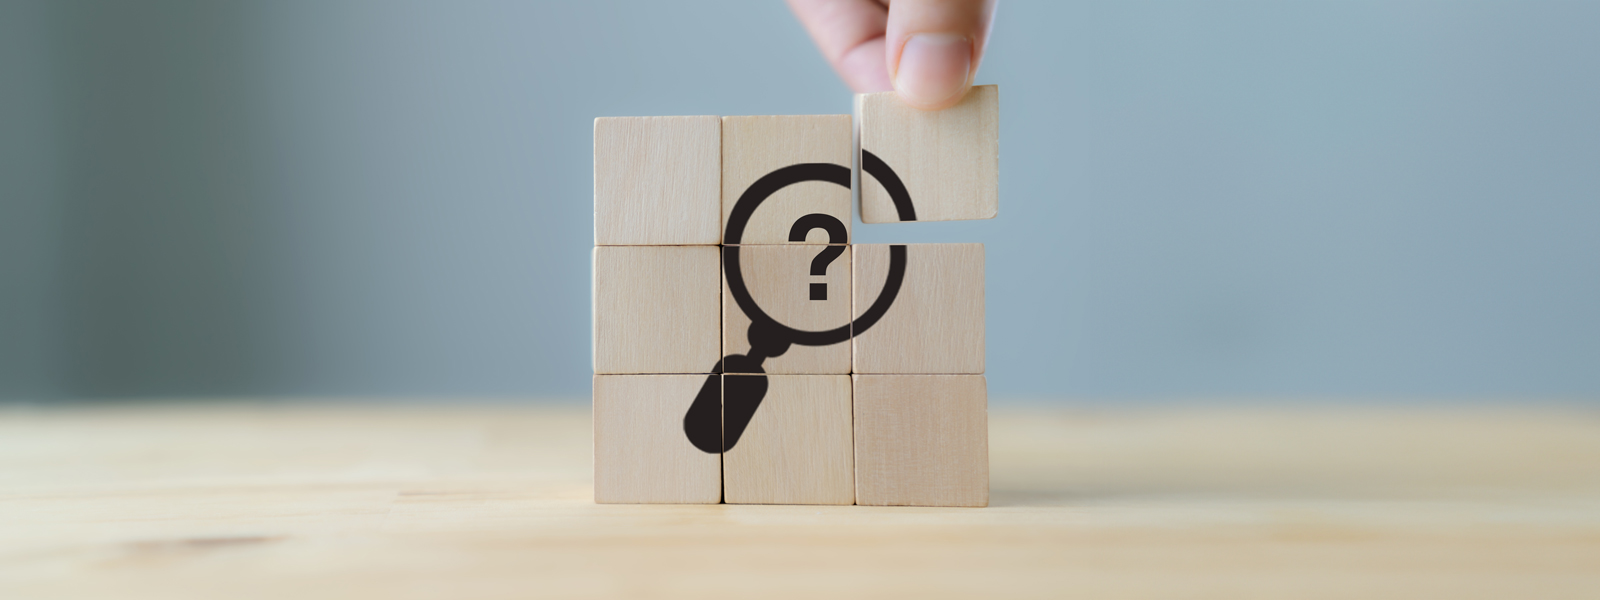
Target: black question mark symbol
[{"x": 836, "y": 236}]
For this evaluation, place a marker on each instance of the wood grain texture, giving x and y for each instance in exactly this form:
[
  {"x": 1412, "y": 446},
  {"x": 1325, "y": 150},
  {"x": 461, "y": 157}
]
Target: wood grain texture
[
  {"x": 779, "y": 280},
  {"x": 936, "y": 322},
  {"x": 656, "y": 309},
  {"x": 921, "y": 440},
  {"x": 641, "y": 455},
  {"x": 657, "y": 180},
  {"x": 450, "y": 497},
  {"x": 752, "y": 147},
  {"x": 797, "y": 449},
  {"x": 949, "y": 160}
]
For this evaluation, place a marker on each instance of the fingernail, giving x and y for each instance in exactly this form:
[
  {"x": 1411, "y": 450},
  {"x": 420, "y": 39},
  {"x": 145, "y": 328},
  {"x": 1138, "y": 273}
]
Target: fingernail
[{"x": 933, "y": 69}]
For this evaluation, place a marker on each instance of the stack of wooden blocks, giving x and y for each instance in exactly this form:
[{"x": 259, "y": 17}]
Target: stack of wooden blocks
[{"x": 893, "y": 415}]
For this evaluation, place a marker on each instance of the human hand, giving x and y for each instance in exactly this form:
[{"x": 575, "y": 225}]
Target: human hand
[{"x": 926, "y": 50}]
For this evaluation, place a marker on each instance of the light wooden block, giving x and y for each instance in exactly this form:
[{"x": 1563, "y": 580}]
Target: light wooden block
[
  {"x": 753, "y": 147},
  {"x": 797, "y": 448},
  {"x": 936, "y": 322},
  {"x": 921, "y": 440},
  {"x": 657, "y": 180},
  {"x": 779, "y": 281},
  {"x": 640, "y": 452},
  {"x": 657, "y": 309},
  {"x": 949, "y": 160}
]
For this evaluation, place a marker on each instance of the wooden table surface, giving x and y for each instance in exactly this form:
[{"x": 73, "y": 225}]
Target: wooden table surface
[{"x": 303, "y": 501}]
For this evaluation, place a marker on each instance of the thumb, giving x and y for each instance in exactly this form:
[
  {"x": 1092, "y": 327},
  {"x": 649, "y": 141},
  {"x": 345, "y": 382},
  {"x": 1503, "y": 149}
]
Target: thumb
[{"x": 933, "y": 48}]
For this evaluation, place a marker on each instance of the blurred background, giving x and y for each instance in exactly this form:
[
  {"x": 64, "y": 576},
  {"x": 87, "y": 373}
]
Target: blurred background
[{"x": 1380, "y": 201}]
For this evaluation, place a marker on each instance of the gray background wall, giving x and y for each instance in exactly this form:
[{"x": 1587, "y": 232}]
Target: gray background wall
[{"x": 1354, "y": 200}]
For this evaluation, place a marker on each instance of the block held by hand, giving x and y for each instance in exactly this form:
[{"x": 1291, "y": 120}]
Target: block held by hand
[{"x": 948, "y": 160}]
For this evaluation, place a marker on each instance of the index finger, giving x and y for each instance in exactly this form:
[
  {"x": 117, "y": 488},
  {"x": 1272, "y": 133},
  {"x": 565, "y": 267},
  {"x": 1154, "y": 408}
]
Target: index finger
[{"x": 850, "y": 35}]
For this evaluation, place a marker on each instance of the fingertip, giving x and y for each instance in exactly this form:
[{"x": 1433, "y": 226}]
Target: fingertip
[{"x": 935, "y": 70}]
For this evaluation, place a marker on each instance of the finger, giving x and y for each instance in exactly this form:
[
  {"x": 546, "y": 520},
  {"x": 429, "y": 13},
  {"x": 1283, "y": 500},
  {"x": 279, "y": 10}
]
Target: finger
[
  {"x": 934, "y": 47},
  {"x": 850, "y": 35}
]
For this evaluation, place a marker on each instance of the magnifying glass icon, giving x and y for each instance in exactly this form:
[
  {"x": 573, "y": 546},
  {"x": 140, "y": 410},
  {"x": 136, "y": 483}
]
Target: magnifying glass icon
[{"x": 718, "y": 417}]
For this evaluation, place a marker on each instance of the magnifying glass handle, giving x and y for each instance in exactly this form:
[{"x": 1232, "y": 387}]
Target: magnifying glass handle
[
  {"x": 741, "y": 396},
  {"x": 724, "y": 406},
  {"x": 703, "y": 421}
]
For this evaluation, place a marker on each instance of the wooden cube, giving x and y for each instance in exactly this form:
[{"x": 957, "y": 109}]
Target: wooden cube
[
  {"x": 657, "y": 309},
  {"x": 641, "y": 454},
  {"x": 657, "y": 180},
  {"x": 936, "y": 322},
  {"x": 753, "y": 147},
  {"x": 948, "y": 160},
  {"x": 921, "y": 440},
  {"x": 780, "y": 282},
  {"x": 797, "y": 447}
]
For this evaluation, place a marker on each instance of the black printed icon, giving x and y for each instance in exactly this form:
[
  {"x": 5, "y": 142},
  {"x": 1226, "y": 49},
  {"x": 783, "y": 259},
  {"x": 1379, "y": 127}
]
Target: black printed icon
[
  {"x": 819, "y": 265},
  {"x": 718, "y": 416}
]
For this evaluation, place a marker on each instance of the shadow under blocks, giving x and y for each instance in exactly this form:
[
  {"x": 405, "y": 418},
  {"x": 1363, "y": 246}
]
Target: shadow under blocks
[{"x": 746, "y": 352}]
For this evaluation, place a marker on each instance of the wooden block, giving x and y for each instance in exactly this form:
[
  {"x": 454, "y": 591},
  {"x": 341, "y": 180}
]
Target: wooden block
[
  {"x": 797, "y": 447},
  {"x": 936, "y": 322},
  {"x": 921, "y": 440},
  {"x": 656, "y": 309},
  {"x": 657, "y": 181},
  {"x": 949, "y": 160},
  {"x": 780, "y": 282},
  {"x": 641, "y": 454},
  {"x": 753, "y": 147}
]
